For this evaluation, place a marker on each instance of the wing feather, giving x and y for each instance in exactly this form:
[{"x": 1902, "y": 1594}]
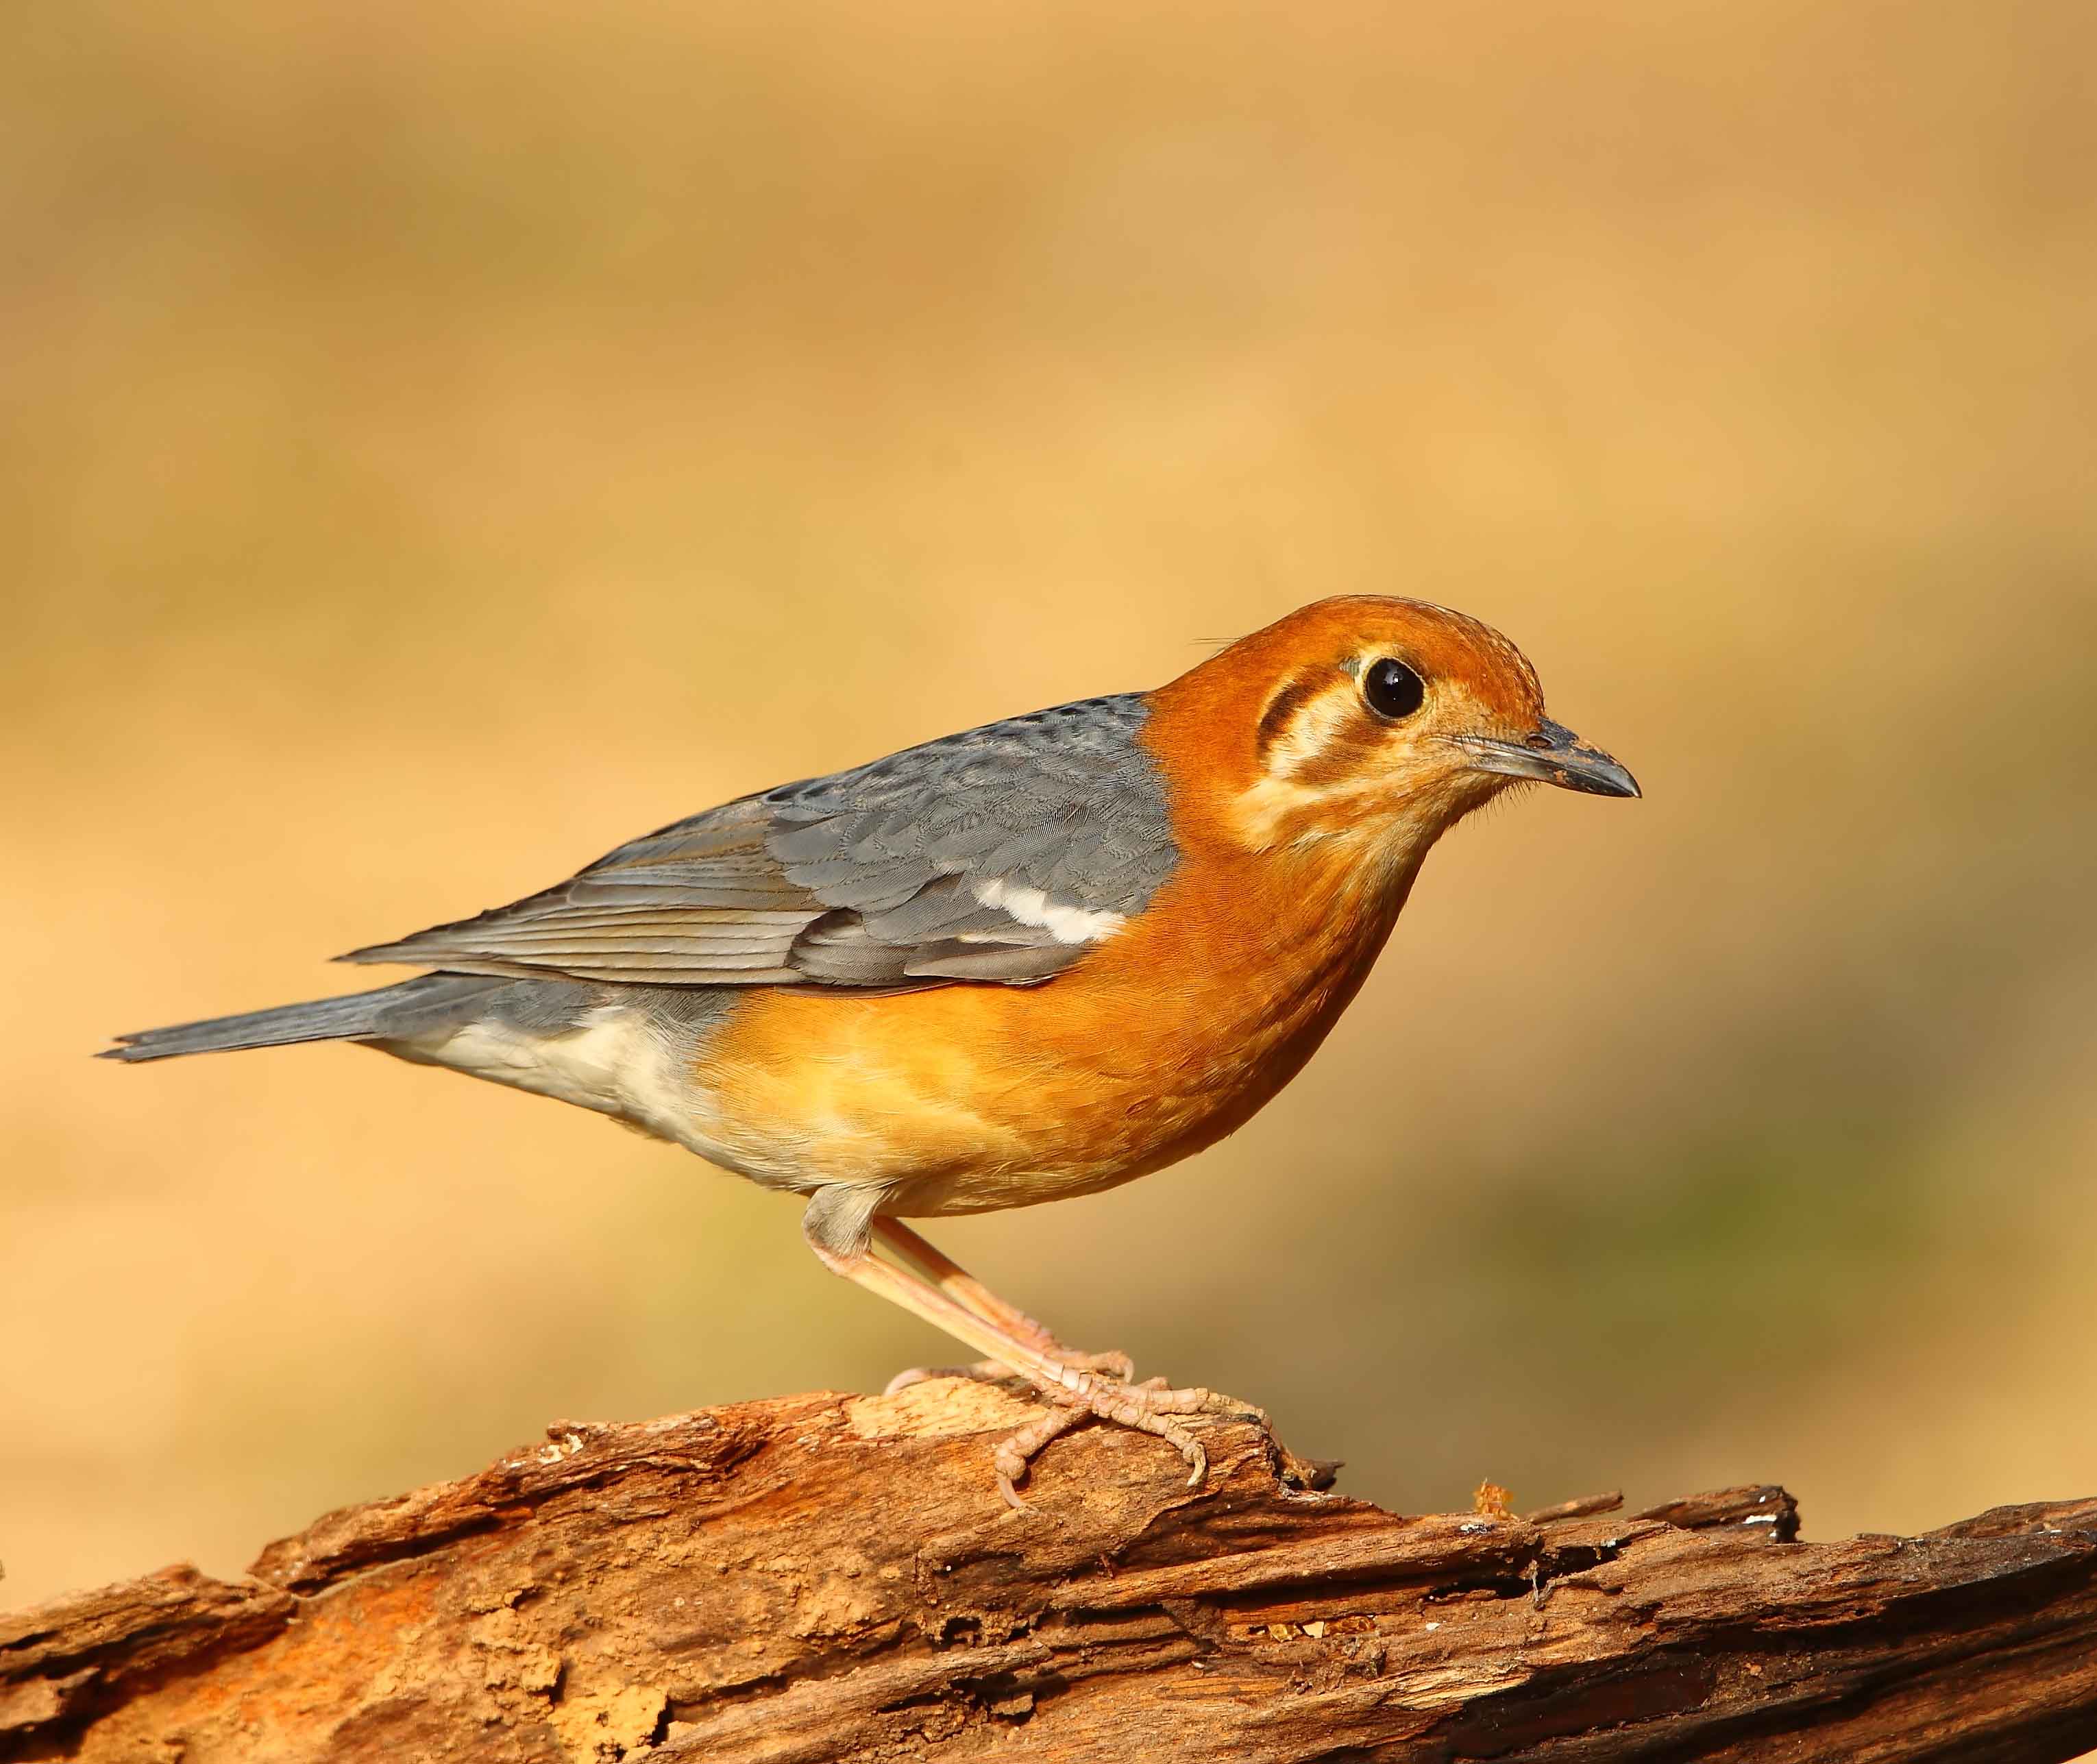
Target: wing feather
[{"x": 1000, "y": 855}]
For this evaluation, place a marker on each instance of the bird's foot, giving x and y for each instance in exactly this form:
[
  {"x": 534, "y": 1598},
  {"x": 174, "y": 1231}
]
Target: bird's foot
[
  {"x": 1116, "y": 1365},
  {"x": 1152, "y": 1407},
  {"x": 1313, "y": 1473}
]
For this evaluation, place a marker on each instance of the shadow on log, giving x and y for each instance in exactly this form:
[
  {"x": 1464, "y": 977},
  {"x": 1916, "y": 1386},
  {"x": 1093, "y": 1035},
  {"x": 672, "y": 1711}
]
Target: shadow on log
[{"x": 830, "y": 1578}]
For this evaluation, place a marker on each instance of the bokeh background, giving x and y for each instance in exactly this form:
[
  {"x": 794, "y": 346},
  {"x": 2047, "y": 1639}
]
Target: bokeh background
[{"x": 441, "y": 442}]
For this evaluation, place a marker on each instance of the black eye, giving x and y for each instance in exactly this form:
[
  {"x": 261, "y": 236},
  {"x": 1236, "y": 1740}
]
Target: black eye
[{"x": 1392, "y": 689}]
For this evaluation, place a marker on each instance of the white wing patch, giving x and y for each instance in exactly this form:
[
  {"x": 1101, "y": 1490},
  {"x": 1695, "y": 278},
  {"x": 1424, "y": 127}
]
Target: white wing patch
[{"x": 1030, "y": 906}]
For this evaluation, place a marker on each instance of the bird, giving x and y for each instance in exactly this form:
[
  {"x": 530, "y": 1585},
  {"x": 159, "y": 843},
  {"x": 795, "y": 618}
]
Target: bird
[{"x": 1024, "y": 963}]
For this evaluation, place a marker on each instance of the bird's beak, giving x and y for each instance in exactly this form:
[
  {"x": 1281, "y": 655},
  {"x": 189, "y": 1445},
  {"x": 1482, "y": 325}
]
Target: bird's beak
[{"x": 1554, "y": 754}]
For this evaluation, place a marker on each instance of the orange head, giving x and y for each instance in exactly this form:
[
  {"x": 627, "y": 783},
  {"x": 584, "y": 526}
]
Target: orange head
[{"x": 1363, "y": 723}]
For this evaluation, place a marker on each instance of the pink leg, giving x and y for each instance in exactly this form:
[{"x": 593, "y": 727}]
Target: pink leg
[
  {"x": 840, "y": 1242},
  {"x": 951, "y": 1278}
]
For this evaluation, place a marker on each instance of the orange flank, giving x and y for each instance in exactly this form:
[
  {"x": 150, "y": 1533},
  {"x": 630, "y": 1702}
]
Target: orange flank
[{"x": 1168, "y": 1036}]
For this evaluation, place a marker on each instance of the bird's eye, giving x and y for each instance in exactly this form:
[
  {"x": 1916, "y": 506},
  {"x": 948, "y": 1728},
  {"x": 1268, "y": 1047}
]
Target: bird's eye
[{"x": 1392, "y": 689}]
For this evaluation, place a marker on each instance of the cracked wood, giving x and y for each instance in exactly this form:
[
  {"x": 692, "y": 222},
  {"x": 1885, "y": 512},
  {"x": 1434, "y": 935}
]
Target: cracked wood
[{"x": 830, "y": 1578}]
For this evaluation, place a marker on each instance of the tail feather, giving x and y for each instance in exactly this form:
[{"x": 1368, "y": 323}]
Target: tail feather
[{"x": 389, "y": 1010}]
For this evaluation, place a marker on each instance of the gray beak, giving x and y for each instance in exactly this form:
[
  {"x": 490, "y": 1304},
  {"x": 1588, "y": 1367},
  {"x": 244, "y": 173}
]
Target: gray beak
[{"x": 1554, "y": 754}]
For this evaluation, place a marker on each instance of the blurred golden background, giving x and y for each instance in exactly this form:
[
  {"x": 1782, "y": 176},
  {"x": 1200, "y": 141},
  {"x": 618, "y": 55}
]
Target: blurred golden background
[{"x": 441, "y": 443}]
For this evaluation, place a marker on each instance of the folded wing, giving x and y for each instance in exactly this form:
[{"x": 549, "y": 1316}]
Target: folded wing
[{"x": 1001, "y": 853}]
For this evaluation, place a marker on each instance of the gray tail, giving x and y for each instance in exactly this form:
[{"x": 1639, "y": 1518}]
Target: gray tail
[{"x": 389, "y": 1011}]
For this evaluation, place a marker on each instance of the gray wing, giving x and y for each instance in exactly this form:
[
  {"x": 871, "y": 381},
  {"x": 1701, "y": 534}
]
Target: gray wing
[{"x": 1001, "y": 853}]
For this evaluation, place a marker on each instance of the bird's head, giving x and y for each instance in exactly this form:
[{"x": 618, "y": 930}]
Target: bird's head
[{"x": 1372, "y": 722}]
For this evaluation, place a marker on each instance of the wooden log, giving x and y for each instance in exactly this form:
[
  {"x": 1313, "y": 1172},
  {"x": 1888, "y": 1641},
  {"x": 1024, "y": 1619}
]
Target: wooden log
[{"x": 827, "y": 1578}]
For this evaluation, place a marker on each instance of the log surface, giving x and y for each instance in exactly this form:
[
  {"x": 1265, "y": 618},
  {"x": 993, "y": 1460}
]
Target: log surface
[{"x": 822, "y": 1578}]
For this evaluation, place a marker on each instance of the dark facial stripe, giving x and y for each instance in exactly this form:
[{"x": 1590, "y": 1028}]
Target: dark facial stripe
[{"x": 1281, "y": 708}]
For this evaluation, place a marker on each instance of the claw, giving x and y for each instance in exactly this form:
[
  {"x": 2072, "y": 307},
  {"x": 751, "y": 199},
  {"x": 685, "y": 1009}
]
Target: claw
[
  {"x": 982, "y": 1371},
  {"x": 1147, "y": 1407},
  {"x": 1013, "y": 1453},
  {"x": 1191, "y": 1449},
  {"x": 1102, "y": 1386},
  {"x": 1117, "y": 1367}
]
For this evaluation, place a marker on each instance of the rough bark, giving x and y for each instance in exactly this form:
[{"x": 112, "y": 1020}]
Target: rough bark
[{"x": 830, "y": 1578}]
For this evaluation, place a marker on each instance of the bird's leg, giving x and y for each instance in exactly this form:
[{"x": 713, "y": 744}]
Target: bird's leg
[
  {"x": 839, "y": 1226},
  {"x": 965, "y": 1290}
]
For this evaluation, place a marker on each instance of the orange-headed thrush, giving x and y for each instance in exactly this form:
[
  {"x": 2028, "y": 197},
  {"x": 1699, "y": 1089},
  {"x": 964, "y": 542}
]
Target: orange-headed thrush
[{"x": 1012, "y": 966}]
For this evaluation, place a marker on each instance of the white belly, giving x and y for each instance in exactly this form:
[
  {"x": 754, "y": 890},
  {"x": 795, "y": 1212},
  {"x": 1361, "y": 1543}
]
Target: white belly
[{"x": 614, "y": 1061}]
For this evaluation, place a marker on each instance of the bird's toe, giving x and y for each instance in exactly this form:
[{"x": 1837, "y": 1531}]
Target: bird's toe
[{"x": 982, "y": 1371}]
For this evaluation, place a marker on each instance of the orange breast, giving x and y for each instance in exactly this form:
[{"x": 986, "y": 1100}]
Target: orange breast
[{"x": 1171, "y": 1035}]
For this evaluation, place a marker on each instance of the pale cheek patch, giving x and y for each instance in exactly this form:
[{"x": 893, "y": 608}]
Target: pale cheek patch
[
  {"x": 1313, "y": 731},
  {"x": 1031, "y": 906},
  {"x": 1275, "y": 812},
  {"x": 1282, "y": 803}
]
